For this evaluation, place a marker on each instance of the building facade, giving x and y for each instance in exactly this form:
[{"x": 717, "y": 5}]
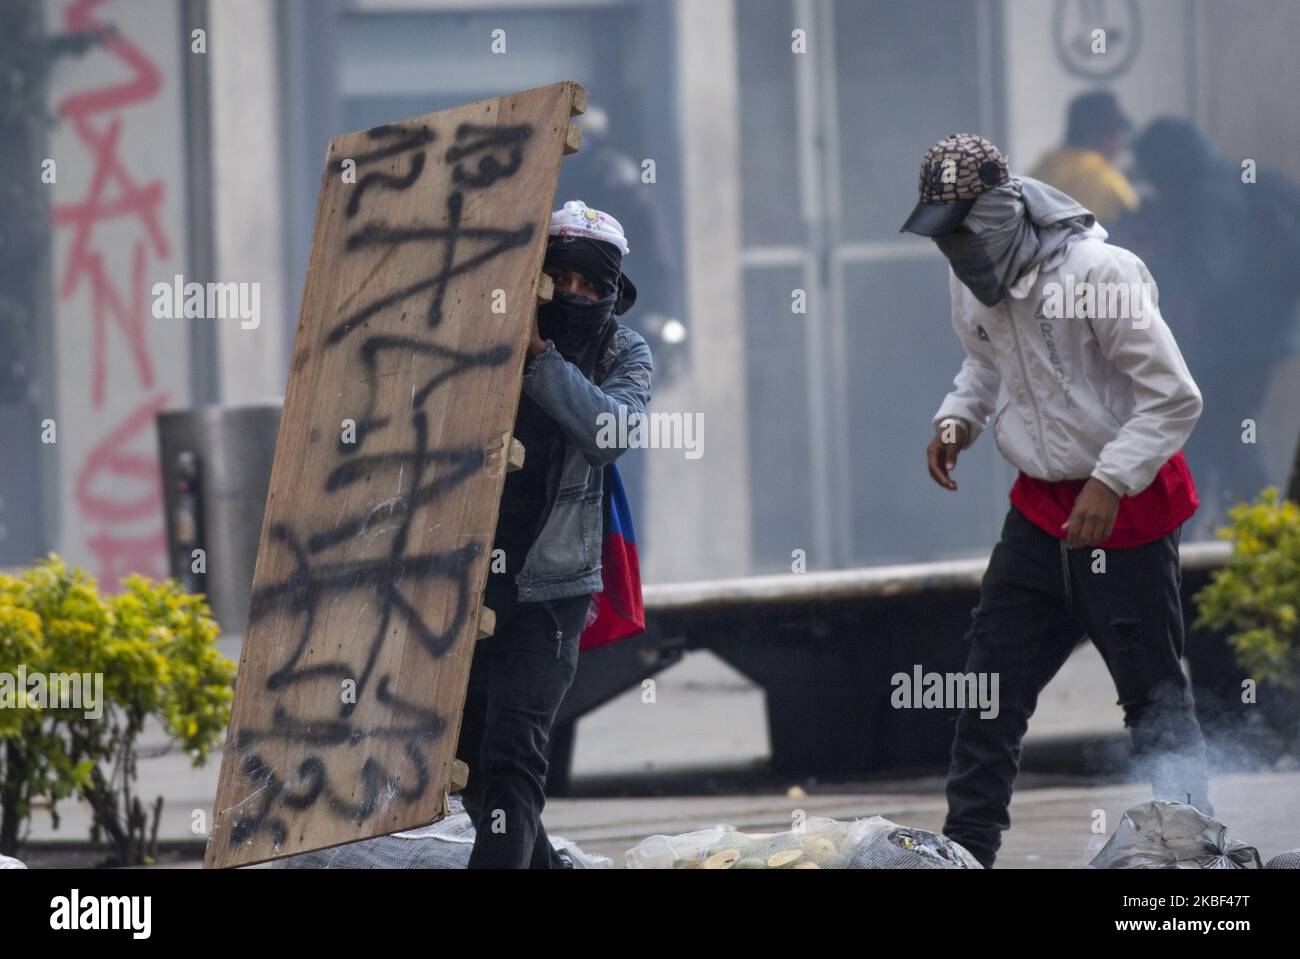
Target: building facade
[{"x": 783, "y": 138}]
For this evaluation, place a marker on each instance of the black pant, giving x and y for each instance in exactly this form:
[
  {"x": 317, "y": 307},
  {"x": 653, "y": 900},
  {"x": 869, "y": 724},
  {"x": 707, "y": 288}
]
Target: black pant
[
  {"x": 517, "y": 681},
  {"x": 1037, "y": 602}
]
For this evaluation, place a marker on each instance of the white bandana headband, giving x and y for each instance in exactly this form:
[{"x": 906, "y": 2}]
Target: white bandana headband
[{"x": 575, "y": 218}]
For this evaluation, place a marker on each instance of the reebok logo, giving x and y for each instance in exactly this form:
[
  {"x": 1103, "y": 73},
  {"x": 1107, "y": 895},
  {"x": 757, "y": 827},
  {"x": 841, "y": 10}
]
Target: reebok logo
[{"x": 1054, "y": 358}]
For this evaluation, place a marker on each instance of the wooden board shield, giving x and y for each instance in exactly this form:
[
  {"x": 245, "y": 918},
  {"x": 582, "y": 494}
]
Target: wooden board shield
[{"x": 393, "y": 447}]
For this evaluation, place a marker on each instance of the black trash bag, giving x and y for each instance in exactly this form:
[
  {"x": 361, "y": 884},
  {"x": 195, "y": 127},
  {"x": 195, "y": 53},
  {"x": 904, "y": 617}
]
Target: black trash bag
[
  {"x": 445, "y": 844},
  {"x": 1162, "y": 834}
]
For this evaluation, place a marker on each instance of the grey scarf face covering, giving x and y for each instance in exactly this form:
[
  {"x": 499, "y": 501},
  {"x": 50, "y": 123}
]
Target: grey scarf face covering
[
  {"x": 971, "y": 261},
  {"x": 1008, "y": 231},
  {"x": 996, "y": 245}
]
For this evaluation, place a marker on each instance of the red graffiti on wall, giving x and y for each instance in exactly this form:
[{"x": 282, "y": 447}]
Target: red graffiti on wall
[{"x": 117, "y": 486}]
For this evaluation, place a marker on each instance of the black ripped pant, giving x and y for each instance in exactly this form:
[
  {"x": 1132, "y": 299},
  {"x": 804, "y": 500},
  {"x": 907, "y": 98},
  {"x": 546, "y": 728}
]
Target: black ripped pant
[
  {"x": 1037, "y": 602},
  {"x": 517, "y": 681}
]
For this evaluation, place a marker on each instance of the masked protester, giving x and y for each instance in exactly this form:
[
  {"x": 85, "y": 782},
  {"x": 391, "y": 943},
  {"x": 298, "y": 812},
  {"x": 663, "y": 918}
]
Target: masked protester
[
  {"x": 1095, "y": 136},
  {"x": 581, "y": 364},
  {"x": 1089, "y": 397}
]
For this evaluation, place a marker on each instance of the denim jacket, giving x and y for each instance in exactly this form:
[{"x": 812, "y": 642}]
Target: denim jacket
[{"x": 565, "y": 559}]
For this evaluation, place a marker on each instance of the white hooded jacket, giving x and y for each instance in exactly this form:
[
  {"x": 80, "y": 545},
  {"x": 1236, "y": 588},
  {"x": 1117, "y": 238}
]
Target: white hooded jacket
[{"x": 1075, "y": 389}]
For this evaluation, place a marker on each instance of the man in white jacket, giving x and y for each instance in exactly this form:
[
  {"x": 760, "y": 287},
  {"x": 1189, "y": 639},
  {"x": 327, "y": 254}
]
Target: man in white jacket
[{"x": 1089, "y": 397}]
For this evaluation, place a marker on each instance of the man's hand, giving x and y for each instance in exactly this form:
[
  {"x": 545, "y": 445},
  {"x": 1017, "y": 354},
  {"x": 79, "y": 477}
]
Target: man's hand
[
  {"x": 1093, "y": 516},
  {"x": 941, "y": 455},
  {"x": 536, "y": 345}
]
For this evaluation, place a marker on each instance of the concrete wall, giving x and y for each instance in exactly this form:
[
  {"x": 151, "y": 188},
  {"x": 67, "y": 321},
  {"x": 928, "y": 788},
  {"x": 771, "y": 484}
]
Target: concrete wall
[
  {"x": 248, "y": 193},
  {"x": 699, "y": 509}
]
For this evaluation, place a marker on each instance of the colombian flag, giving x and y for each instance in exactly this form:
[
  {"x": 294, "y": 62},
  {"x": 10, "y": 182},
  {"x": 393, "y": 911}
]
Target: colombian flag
[{"x": 619, "y": 613}]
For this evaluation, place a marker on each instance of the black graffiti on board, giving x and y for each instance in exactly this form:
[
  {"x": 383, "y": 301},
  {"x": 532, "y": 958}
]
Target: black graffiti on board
[
  {"x": 323, "y": 572},
  {"x": 398, "y": 140},
  {"x": 498, "y": 153}
]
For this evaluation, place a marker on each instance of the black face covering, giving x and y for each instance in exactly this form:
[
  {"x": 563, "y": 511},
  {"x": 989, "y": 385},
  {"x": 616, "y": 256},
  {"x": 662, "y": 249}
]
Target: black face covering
[
  {"x": 599, "y": 262},
  {"x": 578, "y": 327},
  {"x": 973, "y": 266}
]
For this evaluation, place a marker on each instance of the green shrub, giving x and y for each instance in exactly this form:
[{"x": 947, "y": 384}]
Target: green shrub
[
  {"x": 154, "y": 647},
  {"x": 1255, "y": 597}
]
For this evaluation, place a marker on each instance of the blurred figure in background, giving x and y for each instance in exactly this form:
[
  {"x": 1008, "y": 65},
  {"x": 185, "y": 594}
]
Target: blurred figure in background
[
  {"x": 1223, "y": 252},
  {"x": 1084, "y": 167}
]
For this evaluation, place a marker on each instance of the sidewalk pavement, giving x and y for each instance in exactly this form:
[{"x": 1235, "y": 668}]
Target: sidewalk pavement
[
  {"x": 707, "y": 717},
  {"x": 1051, "y": 825}
]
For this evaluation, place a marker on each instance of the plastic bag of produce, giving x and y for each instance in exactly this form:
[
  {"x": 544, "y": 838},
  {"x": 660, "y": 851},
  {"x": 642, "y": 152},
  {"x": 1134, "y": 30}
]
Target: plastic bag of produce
[
  {"x": 881, "y": 844},
  {"x": 873, "y": 843},
  {"x": 1163, "y": 834}
]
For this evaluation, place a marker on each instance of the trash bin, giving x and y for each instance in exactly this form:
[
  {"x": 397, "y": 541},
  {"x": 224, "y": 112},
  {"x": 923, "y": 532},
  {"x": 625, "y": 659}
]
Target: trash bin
[{"x": 216, "y": 466}]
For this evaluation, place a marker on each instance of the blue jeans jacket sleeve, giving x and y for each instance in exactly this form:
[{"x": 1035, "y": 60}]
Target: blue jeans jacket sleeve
[{"x": 577, "y": 404}]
